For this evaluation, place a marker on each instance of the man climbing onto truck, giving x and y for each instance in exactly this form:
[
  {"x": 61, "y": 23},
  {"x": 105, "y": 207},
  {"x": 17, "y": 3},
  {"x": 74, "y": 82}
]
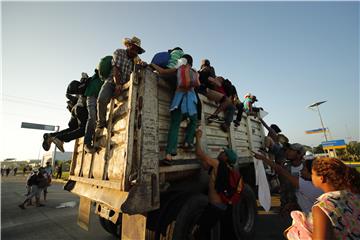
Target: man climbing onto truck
[{"x": 221, "y": 192}]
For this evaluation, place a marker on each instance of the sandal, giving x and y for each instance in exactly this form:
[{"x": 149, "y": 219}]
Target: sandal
[{"x": 166, "y": 162}]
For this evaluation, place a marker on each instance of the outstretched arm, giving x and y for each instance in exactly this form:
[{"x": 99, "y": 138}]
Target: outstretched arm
[
  {"x": 272, "y": 132},
  {"x": 278, "y": 169},
  {"x": 205, "y": 159},
  {"x": 164, "y": 71}
]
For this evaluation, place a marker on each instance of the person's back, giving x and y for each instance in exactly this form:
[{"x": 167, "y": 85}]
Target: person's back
[{"x": 343, "y": 209}]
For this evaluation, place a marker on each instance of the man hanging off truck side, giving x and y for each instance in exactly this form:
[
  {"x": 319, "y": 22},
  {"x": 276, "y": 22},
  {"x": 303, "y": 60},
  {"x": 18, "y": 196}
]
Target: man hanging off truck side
[
  {"x": 220, "y": 170},
  {"x": 77, "y": 123}
]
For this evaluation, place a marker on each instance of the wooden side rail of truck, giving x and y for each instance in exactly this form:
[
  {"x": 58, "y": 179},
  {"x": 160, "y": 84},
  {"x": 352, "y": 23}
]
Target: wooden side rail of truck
[{"x": 135, "y": 197}]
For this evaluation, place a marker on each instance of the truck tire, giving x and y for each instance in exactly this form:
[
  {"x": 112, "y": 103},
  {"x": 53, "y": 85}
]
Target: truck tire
[
  {"x": 110, "y": 227},
  {"x": 188, "y": 216},
  {"x": 244, "y": 215}
]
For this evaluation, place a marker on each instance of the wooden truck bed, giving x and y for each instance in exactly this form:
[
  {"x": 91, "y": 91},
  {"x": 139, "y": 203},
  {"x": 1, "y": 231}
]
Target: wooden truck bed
[{"x": 127, "y": 166}]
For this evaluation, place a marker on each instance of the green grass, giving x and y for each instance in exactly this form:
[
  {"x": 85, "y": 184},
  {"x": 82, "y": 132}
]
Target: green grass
[{"x": 65, "y": 176}]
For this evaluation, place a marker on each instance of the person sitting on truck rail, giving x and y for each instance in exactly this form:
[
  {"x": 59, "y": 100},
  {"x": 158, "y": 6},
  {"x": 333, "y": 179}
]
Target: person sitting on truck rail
[
  {"x": 226, "y": 89},
  {"x": 123, "y": 64},
  {"x": 248, "y": 105},
  {"x": 219, "y": 170},
  {"x": 183, "y": 105}
]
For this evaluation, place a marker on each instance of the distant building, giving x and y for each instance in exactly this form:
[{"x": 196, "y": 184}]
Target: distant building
[
  {"x": 60, "y": 156},
  {"x": 14, "y": 163}
]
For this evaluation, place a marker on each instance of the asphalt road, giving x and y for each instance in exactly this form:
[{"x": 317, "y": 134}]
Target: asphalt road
[
  {"x": 51, "y": 223},
  {"x": 45, "y": 223}
]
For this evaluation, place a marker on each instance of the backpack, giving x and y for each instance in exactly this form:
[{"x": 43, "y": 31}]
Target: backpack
[
  {"x": 105, "y": 67},
  {"x": 228, "y": 87},
  {"x": 161, "y": 59},
  {"x": 31, "y": 180},
  {"x": 186, "y": 78},
  {"x": 230, "y": 195}
]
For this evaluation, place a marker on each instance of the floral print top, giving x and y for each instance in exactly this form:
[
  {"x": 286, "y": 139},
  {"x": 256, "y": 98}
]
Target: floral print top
[{"x": 343, "y": 210}]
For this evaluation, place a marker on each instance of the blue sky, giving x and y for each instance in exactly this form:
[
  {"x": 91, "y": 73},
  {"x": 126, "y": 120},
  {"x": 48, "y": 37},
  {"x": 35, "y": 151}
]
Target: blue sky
[{"x": 288, "y": 54}]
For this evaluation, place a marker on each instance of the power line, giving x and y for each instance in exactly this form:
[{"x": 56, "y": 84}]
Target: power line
[
  {"x": 35, "y": 102},
  {"x": 29, "y": 99}
]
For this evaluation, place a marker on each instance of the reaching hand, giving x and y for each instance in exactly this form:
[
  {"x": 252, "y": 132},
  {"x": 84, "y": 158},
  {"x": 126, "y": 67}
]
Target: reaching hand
[
  {"x": 117, "y": 91},
  {"x": 198, "y": 133},
  {"x": 258, "y": 155}
]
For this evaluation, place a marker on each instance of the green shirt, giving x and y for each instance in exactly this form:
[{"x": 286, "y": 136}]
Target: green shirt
[
  {"x": 94, "y": 86},
  {"x": 174, "y": 56}
]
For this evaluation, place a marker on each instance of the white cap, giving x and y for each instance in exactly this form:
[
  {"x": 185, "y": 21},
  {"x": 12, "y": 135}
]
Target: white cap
[{"x": 309, "y": 155}]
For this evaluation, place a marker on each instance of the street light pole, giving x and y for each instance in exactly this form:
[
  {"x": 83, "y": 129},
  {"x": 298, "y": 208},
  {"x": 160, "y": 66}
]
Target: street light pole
[
  {"x": 54, "y": 154},
  {"x": 322, "y": 124},
  {"x": 42, "y": 127},
  {"x": 321, "y": 121}
]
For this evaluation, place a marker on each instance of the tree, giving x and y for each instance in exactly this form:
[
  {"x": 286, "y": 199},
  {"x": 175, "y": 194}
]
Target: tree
[
  {"x": 318, "y": 149},
  {"x": 353, "y": 150}
]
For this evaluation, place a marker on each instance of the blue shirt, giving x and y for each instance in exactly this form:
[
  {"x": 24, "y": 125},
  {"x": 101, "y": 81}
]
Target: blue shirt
[{"x": 186, "y": 101}]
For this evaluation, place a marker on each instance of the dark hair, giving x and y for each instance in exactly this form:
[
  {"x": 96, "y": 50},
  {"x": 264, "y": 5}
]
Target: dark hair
[
  {"x": 206, "y": 62},
  {"x": 73, "y": 87},
  {"x": 275, "y": 128},
  {"x": 188, "y": 58},
  {"x": 176, "y": 48},
  {"x": 337, "y": 174}
]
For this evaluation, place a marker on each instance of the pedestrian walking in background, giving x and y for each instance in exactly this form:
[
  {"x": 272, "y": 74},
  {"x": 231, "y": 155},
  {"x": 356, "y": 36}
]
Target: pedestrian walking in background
[
  {"x": 37, "y": 183},
  {"x": 48, "y": 176},
  {"x": 59, "y": 171}
]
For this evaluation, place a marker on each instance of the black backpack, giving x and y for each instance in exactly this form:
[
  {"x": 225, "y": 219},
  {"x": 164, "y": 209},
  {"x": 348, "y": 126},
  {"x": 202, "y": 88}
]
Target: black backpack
[{"x": 228, "y": 87}]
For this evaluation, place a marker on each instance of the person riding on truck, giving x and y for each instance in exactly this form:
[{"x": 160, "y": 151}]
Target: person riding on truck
[{"x": 123, "y": 63}]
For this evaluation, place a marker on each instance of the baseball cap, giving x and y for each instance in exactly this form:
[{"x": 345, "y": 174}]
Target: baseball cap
[
  {"x": 297, "y": 147},
  {"x": 231, "y": 154}
]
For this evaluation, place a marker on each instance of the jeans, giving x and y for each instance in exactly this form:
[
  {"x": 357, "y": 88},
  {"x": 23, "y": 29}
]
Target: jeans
[
  {"x": 240, "y": 108},
  {"x": 176, "y": 118},
  {"x": 211, "y": 215},
  {"x": 91, "y": 121},
  {"x": 76, "y": 125},
  {"x": 229, "y": 114},
  {"x": 106, "y": 93}
]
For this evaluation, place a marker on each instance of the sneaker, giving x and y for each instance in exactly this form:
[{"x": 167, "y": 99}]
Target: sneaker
[
  {"x": 224, "y": 127},
  {"x": 187, "y": 145},
  {"x": 89, "y": 149},
  {"x": 236, "y": 123},
  {"x": 101, "y": 125},
  {"x": 21, "y": 206},
  {"x": 212, "y": 117},
  {"x": 59, "y": 144},
  {"x": 47, "y": 141}
]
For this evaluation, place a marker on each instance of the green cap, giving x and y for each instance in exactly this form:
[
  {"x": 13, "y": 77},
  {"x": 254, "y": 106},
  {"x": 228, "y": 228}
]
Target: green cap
[{"x": 231, "y": 154}]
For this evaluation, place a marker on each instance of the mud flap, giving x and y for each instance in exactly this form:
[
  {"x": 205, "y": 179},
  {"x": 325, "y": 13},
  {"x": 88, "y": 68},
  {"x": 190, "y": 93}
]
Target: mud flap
[
  {"x": 133, "y": 227},
  {"x": 134, "y": 203},
  {"x": 84, "y": 213}
]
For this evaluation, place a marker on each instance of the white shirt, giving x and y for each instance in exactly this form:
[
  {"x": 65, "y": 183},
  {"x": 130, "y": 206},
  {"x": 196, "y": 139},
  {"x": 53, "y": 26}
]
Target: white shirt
[{"x": 307, "y": 195}]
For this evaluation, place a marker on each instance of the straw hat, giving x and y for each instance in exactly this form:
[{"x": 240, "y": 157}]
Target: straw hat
[{"x": 134, "y": 41}]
